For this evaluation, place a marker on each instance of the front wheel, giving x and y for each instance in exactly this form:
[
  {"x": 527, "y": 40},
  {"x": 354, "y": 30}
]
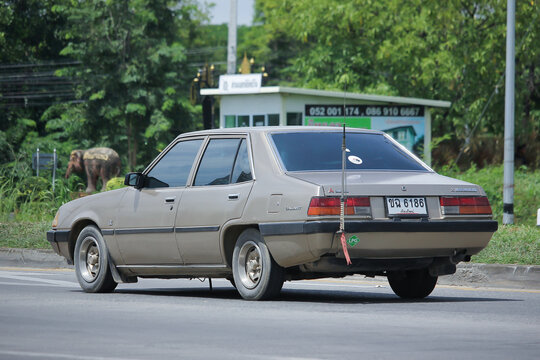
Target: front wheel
[
  {"x": 256, "y": 275},
  {"x": 412, "y": 284},
  {"x": 92, "y": 263}
]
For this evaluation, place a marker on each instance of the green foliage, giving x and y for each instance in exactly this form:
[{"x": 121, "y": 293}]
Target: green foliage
[
  {"x": 24, "y": 197},
  {"x": 526, "y": 189},
  {"x": 26, "y": 234},
  {"x": 449, "y": 50},
  {"x": 132, "y": 54},
  {"x": 115, "y": 183},
  {"x": 512, "y": 245}
]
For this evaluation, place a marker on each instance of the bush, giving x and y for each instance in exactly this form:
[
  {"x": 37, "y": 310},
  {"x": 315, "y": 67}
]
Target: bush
[
  {"x": 115, "y": 183},
  {"x": 24, "y": 197},
  {"x": 526, "y": 189}
]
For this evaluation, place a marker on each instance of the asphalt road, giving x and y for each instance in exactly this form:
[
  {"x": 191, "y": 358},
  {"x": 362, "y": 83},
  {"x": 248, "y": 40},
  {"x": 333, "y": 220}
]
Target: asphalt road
[{"x": 45, "y": 315}]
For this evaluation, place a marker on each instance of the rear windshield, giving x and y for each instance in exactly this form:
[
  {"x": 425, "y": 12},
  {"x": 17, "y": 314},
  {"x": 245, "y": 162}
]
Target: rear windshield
[{"x": 312, "y": 151}]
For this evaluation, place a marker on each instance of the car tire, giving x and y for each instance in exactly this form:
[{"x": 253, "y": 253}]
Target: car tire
[
  {"x": 91, "y": 260},
  {"x": 256, "y": 275},
  {"x": 412, "y": 284}
]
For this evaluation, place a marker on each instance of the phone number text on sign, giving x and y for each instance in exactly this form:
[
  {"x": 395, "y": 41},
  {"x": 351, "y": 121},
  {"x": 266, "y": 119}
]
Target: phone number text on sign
[{"x": 364, "y": 110}]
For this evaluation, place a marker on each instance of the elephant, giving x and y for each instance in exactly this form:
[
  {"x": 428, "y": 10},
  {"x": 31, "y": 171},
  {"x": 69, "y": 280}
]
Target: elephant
[{"x": 96, "y": 162}]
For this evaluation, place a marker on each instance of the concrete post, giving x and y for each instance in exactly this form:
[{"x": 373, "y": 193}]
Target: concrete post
[
  {"x": 231, "y": 46},
  {"x": 508, "y": 192}
]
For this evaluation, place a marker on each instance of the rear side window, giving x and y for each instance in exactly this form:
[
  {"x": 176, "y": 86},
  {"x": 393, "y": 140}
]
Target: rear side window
[
  {"x": 224, "y": 161},
  {"x": 312, "y": 151},
  {"x": 242, "y": 168}
]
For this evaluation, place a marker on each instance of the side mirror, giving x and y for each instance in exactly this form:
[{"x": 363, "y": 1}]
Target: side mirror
[{"x": 134, "y": 179}]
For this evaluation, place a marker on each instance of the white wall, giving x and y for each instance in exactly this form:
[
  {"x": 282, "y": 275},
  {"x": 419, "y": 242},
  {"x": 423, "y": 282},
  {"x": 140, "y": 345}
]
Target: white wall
[{"x": 260, "y": 104}]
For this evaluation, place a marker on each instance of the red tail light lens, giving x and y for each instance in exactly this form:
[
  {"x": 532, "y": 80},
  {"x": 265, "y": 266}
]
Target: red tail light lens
[
  {"x": 332, "y": 206},
  {"x": 476, "y": 205}
]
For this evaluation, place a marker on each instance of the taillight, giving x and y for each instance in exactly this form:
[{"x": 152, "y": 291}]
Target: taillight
[
  {"x": 476, "y": 205},
  {"x": 332, "y": 206}
]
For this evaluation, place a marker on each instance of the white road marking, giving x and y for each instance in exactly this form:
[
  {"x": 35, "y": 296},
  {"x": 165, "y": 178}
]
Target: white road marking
[
  {"x": 33, "y": 279},
  {"x": 58, "y": 356}
]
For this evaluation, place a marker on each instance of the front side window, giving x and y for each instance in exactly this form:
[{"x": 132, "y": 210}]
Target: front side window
[
  {"x": 314, "y": 151},
  {"x": 174, "y": 167}
]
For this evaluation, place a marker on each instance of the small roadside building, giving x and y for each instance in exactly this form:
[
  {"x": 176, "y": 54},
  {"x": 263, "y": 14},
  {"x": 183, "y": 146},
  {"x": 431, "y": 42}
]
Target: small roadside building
[{"x": 244, "y": 102}]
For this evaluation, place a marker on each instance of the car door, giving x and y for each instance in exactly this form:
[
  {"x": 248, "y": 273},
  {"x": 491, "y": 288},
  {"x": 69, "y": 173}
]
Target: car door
[
  {"x": 218, "y": 194},
  {"x": 145, "y": 222}
]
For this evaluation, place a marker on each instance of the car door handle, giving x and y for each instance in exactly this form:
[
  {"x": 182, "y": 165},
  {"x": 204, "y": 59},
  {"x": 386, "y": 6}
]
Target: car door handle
[
  {"x": 170, "y": 199},
  {"x": 234, "y": 196}
]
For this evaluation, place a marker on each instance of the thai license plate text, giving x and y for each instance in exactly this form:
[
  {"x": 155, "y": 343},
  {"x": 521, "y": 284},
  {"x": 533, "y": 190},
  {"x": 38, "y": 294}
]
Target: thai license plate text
[{"x": 406, "y": 205}]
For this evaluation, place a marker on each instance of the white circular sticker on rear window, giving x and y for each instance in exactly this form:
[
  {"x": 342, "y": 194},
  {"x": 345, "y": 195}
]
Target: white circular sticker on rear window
[{"x": 355, "y": 159}]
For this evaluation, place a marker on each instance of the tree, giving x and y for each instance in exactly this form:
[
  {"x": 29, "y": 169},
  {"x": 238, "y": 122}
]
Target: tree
[
  {"x": 134, "y": 75},
  {"x": 451, "y": 50},
  {"x": 29, "y": 55}
]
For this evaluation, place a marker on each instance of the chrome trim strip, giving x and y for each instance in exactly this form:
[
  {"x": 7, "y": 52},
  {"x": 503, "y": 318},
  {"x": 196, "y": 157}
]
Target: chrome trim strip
[
  {"x": 143, "y": 231},
  {"x": 220, "y": 266},
  {"x": 196, "y": 229}
]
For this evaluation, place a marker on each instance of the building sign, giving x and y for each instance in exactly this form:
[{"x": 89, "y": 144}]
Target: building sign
[
  {"x": 406, "y": 124},
  {"x": 240, "y": 83}
]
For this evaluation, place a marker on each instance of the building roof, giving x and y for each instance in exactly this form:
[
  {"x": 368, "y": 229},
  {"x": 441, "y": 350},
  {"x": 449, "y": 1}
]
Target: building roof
[{"x": 335, "y": 94}]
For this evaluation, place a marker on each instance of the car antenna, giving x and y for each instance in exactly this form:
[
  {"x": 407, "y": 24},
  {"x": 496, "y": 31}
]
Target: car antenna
[{"x": 343, "y": 181}]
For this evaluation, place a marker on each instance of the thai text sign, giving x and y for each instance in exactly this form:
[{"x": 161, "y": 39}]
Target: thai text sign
[{"x": 240, "y": 83}]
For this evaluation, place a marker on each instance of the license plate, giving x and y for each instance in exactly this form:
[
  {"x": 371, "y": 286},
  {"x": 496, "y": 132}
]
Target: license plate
[{"x": 406, "y": 206}]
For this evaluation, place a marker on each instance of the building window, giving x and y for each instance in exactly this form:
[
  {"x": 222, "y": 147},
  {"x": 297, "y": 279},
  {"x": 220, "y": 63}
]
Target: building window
[
  {"x": 258, "y": 120},
  {"x": 273, "y": 119},
  {"x": 243, "y": 121},
  {"x": 252, "y": 120},
  {"x": 230, "y": 121},
  {"x": 294, "y": 118}
]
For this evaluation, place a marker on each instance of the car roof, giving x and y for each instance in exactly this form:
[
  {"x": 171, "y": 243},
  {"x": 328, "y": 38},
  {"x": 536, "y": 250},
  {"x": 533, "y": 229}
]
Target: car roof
[{"x": 271, "y": 129}]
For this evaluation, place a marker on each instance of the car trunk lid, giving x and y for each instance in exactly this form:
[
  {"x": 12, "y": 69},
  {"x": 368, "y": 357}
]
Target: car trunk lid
[{"x": 389, "y": 183}]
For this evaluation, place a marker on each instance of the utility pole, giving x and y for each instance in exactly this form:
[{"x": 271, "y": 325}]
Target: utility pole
[
  {"x": 231, "y": 46},
  {"x": 508, "y": 192}
]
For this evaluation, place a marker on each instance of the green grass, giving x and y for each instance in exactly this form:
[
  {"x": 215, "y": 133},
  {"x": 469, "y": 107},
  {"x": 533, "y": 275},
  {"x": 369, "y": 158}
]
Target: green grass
[
  {"x": 27, "y": 235},
  {"x": 512, "y": 244}
]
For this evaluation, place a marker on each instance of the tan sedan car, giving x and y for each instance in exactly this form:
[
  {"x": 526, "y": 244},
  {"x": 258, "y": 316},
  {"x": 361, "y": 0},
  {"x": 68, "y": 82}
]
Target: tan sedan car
[{"x": 259, "y": 206}]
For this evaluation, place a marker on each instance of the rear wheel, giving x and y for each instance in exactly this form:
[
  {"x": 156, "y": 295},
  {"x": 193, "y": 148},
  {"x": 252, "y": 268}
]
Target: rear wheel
[
  {"x": 412, "y": 284},
  {"x": 256, "y": 275},
  {"x": 92, "y": 263}
]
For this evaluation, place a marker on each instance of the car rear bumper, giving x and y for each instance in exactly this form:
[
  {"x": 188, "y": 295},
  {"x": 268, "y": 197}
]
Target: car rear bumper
[
  {"x": 295, "y": 243},
  {"x": 314, "y": 227}
]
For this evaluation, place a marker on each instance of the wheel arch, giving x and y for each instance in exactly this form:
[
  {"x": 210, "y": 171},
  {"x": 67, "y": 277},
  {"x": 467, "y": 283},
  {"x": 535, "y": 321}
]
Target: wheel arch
[
  {"x": 74, "y": 234},
  {"x": 230, "y": 235}
]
